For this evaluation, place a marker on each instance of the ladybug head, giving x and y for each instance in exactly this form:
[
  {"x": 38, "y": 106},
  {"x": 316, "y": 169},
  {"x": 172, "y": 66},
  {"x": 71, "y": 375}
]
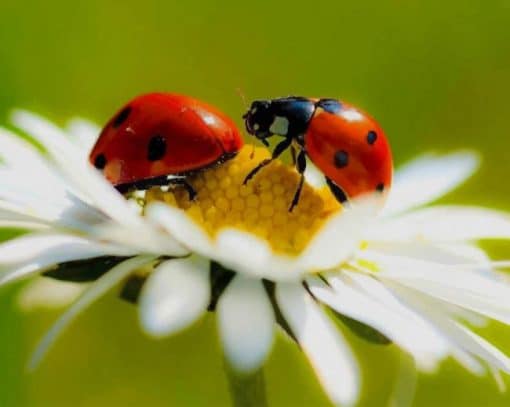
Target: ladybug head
[
  {"x": 288, "y": 116},
  {"x": 259, "y": 119}
]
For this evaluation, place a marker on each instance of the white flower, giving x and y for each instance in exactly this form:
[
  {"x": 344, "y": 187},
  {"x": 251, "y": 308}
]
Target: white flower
[{"x": 412, "y": 274}]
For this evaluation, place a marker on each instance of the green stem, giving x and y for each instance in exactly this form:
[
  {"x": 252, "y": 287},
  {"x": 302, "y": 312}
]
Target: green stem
[{"x": 246, "y": 390}]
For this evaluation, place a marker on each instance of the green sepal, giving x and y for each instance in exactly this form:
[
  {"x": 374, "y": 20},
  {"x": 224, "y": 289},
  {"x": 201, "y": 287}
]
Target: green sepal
[
  {"x": 80, "y": 271},
  {"x": 364, "y": 331}
]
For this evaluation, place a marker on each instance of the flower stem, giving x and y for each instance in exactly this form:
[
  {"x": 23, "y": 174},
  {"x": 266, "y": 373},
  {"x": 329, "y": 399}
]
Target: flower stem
[{"x": 246, "y": 390}]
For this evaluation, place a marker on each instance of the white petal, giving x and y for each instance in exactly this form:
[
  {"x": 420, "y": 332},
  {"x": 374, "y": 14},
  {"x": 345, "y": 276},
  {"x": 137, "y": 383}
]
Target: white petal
[
  {"x": 46, "y": 133},
  {"x": 43, "y": 195},
  {"x": 13, "y": 217},
  {"x": 234, "y": 249},
  {"x": 337, "y": 240},
  {"x": 175, "y": 296},
  {"x": 26, "y": 255},
  {"x": 328, "y": 352},
  {"x": 95, "y": 290},
  {"x": 455, "y": 285},
  {"x": 144, "y": 238},
  {"x": 48, "y": 293},
  {"x": 182, "y": 227},
  {"x": 84, "y": 133},
  {"x": 250, "y": 255},
  {"x": 441, "y": 342},
  {"x": 43, "y": 198},
  {"x": 444, "y": 224},
  {"x": 29, "y": 247},
  {"x": 246, "y": 323},
  {"x": 20, "y": 155},
  {"x": 445, "y": 253},
  {"x": 247, "y": 253},
  {"x": 340, "y": 236},
  {"x": 470, "y": 253},
  {"x": 394, "y": 320},
  {"x": 463, "y": 337},
  {"x": 314, "y": 176},
  {"x": 427, "y": 178}
]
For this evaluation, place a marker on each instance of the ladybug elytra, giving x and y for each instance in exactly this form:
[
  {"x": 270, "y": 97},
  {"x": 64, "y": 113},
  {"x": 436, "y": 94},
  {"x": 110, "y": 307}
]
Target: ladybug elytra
[{"x": 160, "y": 138}]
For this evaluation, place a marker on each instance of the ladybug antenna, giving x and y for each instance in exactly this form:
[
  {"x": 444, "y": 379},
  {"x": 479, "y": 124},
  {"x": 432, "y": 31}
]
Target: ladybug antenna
[{"x": 241, "y": 94}]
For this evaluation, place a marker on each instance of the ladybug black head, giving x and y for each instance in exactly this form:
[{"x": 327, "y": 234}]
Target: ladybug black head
[
  {"x": 259, "y": 118},
  {"x": 286, "y": 117}
]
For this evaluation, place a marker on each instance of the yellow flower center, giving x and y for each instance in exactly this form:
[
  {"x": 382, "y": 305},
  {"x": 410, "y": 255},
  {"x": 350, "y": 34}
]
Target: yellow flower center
[{"x": 261, "y": 207}]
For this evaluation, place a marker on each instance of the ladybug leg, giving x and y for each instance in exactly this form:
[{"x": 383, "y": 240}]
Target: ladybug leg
[
  {"x": 192, "y": 194},
  {"x": 293, "y": 154},
  {"x": 338, "y": 192},
  {"x": 301, "y": 167},
  {"x": 278, "y": 150},
  {"x": 141, "y": 185}
]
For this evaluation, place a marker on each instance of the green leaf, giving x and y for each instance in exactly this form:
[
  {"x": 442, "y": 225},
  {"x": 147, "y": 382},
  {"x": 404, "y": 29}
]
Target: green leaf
[
  {"x": 132, "y": 288},
  {"x": 364, "y": 331},
  {"x": 83, "y": 270},
  {"x": 220, "y": 278}
]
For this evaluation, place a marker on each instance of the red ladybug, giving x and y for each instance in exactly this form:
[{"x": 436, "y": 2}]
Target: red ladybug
[
  {"x": 347, "y": 145},
  {"x": 160, "y": 135}
]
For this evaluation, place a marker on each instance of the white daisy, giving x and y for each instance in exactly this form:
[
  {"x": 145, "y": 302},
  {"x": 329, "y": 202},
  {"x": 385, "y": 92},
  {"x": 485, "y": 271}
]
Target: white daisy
[{"x": 411, "y": 275}]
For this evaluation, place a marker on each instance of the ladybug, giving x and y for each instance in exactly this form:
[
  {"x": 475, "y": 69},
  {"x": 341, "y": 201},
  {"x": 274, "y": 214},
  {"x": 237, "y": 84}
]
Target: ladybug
[
  {"x": 160, "y": 139},
  {"x": 347, "y": 145}
]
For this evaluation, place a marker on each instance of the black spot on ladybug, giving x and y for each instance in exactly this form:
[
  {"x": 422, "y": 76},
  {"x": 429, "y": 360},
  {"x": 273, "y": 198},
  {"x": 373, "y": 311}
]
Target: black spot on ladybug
[
  {"x": 121, "y": 117},
  {"x": 341, "y": 159},
  {"x": 156, "y": 149},
  {"x": 100, "y": 161},
  {"x": 379, "y": 187},
  {"x": 371, "y": 137}
]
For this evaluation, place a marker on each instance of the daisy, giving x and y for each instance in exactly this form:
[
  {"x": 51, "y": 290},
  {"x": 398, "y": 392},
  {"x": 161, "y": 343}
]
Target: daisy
[{"x": 411, "y": 275}]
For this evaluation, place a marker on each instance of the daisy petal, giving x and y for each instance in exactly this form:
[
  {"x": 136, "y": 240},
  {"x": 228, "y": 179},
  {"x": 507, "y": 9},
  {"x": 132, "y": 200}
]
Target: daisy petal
[
  {"x": 444, "y": 253},
  {"x": 314, "y": 176},
  {"x": 153, "y": 239},
  {"x": 444, "y": 224},
  {"x": 427, "y": 178},
  {"x": 401, "y": 325},
  {"x": 176, "y": 294},
  {"x": 84, "y": 133},
  {"x": 339, "y": 236},
  {"x": 20, "y": 155},
  {"x": 235, "y": 249},
  {"x": 246, "y": 323},
  {"x": 59, "y": 254},
  {"x": 252, "y": 256},
  {"x": 460, "y": 335},
  {"x": 452, "y": 284},
  {"x": 328, "y": 352},
  {"x": 46, "y": 200},
  {"x": 49, "y": 135},
  {"x": 179, "y": 225},
  {"x": 93, "y": 292},
  {"x": 469, "y": 252},
  {"x": 429, "y": 354},
  {"x": 29, "y": 248},
  {"x": 11, "y": 217},
  {"x": 40, "y": 250}
]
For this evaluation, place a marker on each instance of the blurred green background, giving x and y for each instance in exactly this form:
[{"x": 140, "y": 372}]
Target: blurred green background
[{"x": 434, "y": 73}]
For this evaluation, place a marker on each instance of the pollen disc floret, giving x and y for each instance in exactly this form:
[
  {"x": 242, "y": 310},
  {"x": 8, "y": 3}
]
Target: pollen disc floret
[{"x": 259, "y": 207}]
